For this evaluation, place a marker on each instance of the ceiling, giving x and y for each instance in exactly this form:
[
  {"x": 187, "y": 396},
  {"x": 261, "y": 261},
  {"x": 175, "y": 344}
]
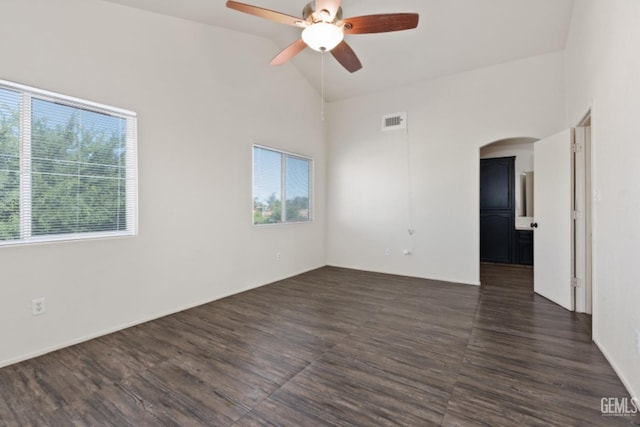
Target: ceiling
[{"x": 453, "y": 36}]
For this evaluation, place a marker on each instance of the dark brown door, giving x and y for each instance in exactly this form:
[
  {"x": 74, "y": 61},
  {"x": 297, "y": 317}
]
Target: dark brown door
[{"x": 497, "y": 210}]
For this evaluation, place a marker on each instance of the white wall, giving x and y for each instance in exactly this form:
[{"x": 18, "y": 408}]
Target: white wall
[
  {"x": 449, "y": 119},
  {"x": 203, "y": 96},
  {"x": 523, "y": 153},
  {"x": 603, "y": 66}
]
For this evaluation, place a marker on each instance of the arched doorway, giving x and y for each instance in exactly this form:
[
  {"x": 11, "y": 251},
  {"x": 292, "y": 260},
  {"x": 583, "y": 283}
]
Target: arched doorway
[{"x": 506, "y": 201}]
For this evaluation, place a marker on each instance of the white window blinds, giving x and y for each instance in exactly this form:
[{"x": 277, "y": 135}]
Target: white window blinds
[
  {"x": 282, "y": 185},
  {"x": 68, "y": 168}
]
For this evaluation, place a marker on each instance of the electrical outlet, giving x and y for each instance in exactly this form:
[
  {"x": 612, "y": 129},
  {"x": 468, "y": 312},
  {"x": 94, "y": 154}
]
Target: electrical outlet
[
  {"x": 38, "y": 306},
  {"x": 387, "y": 252},
  {"x": 278, "y": 256}
]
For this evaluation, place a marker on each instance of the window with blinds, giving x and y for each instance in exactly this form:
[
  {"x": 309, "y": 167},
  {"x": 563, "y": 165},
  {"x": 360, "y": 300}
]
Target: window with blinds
[
  {"x": 68, "y": 167},
  {"x": 281, "y": 187}
]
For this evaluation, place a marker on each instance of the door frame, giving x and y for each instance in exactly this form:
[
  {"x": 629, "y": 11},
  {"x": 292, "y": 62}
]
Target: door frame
[{"x": 583, "y": 202}]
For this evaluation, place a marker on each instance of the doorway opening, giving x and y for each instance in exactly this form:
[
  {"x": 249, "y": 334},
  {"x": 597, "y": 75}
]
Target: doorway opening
[
  {"x": 560, "y": 222},
  {"x": 506, "y": 201}
]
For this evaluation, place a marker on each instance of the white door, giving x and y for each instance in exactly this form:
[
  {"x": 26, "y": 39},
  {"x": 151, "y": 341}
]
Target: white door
[{"x": 552, "y": 238}]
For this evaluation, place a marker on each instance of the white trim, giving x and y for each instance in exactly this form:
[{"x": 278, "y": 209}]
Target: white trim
[
  {"x": 5, "y": 363},
  {"x": 302, "y": 156},
  {"x": 50, "y": 238},
  {"x": 625, "y": 382},
  {"x": 586, "y": 291},
  {"x": 414, "y": 276},
  {"x": 70, "y": 99}
]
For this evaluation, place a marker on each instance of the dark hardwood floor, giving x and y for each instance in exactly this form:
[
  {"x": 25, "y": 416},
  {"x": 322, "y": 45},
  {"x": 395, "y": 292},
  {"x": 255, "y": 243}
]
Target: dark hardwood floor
[{"x": 332, "y": 347}]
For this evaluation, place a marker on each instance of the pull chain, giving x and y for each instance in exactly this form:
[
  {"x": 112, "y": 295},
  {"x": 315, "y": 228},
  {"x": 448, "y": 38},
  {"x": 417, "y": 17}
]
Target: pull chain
[{"x": 322, "y": 88}]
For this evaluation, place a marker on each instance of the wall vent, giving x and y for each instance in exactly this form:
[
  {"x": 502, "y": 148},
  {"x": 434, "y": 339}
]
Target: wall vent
[{"x": 394, "y": 121}]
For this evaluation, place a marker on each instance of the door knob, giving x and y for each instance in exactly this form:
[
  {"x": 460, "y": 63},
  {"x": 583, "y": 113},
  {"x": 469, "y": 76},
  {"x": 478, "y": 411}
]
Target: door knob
[{"x": 534, "y": 225}]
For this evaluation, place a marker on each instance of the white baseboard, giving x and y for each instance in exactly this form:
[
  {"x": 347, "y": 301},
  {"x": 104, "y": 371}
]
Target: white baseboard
[
  {"x": 625, "y": 381},
  {"x": 108, "y": 331},
  {"x": 437, "y": 279}
]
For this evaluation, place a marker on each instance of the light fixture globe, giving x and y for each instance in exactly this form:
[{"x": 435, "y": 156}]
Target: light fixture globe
[{"x": 322, "y": 36}]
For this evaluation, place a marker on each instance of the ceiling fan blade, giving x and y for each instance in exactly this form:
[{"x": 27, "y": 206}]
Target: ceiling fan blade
[
  {"x": 266, "y": 14},
  {"x": 289, "y": 52},
  {"x": 346, "y": 57},
  {"x": 331, "y": 6},
  {"x": 380, "y": 23}
]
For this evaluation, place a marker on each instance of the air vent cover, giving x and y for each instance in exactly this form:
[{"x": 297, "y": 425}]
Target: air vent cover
[{"x": 394, "y": 121}]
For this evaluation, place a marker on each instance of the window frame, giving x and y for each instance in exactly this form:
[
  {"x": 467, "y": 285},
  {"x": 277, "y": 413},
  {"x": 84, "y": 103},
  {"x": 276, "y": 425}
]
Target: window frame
[
  {"x": 283, "y": 190},
  {"x": 27, "y": 94}
]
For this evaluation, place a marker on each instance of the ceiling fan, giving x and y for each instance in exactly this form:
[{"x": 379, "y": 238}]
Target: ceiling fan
[{"x": 324, "y": 29}]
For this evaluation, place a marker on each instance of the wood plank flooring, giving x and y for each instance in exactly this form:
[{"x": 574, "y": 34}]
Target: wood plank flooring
[{"x": 332, "y": 347}]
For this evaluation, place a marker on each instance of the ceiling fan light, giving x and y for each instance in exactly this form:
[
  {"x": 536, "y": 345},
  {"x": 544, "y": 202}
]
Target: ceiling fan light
[{"x": 322, "y": 36}]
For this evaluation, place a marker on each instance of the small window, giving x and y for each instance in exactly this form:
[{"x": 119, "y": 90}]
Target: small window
[
  {"x": 67, "y": 168},
  {"x": 281, "y": 180}
]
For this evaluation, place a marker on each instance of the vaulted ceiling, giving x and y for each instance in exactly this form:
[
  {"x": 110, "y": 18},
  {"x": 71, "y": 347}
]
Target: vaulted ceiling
[{"x": 452, "y": 36}]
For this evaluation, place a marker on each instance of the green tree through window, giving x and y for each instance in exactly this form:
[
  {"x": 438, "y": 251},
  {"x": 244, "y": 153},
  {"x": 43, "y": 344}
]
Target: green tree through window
[
  {"x": 77, "y": 169},
  {"x": 9, "y": 165},
  {"x": 280, "y": 179}
]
